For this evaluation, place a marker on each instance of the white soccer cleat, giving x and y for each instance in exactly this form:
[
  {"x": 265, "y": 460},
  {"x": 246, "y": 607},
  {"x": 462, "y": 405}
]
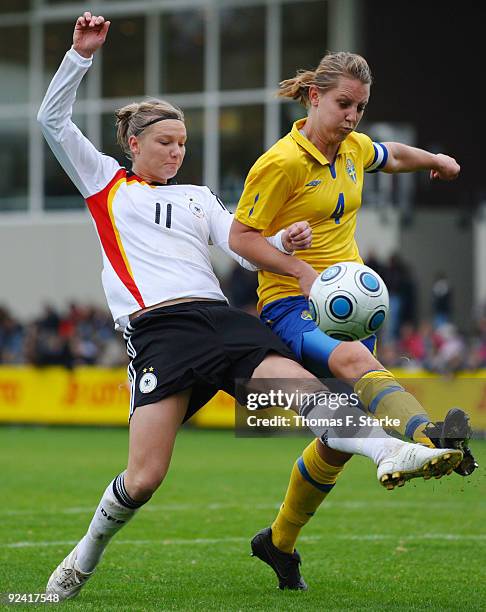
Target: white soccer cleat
[
  {"x": 67, "y": 579},
  {"x": 416, "y": 461}
]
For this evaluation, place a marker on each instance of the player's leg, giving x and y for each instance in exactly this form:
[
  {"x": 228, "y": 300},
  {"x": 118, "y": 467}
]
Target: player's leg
[
  {"x": 349, "y": 435},
  {"x": 153, "y": 429},
  {"x": 316, "y": 471},
  {"x": 312, "y": 478},
  {"x": 380, "y": 393}
]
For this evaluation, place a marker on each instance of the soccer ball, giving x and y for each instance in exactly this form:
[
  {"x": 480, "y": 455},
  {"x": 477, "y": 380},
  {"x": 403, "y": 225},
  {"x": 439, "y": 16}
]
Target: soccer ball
[{"x": 349, "y": 301}]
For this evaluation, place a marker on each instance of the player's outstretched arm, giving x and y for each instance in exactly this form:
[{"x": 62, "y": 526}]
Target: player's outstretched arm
[
  {"x": 297, "y": 236},
  {"x": 404, "y": 158},
  {"x": 89, "y": 34},
  {"x": 86, "y": 167},
  {"x": 250, "y": 244}
]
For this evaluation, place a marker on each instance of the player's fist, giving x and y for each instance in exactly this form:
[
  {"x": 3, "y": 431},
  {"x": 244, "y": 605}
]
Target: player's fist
[
  {"x": 447, "y": 168},
  {"x": 89, "y": 33},
  {"x": 297, "y": 236}
]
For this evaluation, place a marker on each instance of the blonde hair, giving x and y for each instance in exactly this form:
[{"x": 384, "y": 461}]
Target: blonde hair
[
  {"x": 331, "y": 67},
  {"x": 133, "y": 118}
]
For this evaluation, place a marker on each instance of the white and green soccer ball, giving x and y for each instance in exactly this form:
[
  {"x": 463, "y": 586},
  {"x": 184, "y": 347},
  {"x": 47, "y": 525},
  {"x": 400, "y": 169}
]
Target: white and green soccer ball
[{"x": 349, "y": 301}]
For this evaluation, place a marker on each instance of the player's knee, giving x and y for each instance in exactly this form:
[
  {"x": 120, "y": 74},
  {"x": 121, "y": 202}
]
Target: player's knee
[
  {"x": 350, "y": 360},
  {"x": 144, "y": 484},
  {"x": 278, "y": 366}
]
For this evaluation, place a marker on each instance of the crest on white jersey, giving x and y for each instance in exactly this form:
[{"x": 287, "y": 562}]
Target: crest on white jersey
[
  {"x": 148, "y": 382},
  {"x": 196, "y": 209}
]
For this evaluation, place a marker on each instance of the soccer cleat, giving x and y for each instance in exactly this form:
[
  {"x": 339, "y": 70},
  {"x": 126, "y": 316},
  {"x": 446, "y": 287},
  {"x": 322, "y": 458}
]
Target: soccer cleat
[
  {"x": 454, "y": 432},
  {"x": 416, "y": 461},
  {"x": 67, "y": 579},
  {"x": 285, "y": 565}
]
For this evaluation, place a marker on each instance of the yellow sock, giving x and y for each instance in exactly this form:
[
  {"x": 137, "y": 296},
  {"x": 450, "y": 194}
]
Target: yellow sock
[
  {"x": 310, "y": 482},
  {"x": 382, "y": 395}
]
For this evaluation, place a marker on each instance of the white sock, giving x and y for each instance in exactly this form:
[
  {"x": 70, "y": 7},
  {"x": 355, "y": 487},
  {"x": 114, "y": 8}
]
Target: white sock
[
  {"x": 368, "y": 440},
  {"x": 375, "y": 448},
  {"x": 115, "y": 509}
]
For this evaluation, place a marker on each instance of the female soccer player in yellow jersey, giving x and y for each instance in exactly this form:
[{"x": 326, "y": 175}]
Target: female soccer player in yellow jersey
[{"x": 316, "y": 173}]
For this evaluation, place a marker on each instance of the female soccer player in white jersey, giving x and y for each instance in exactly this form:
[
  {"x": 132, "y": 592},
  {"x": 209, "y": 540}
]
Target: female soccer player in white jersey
[{"x": 184, "y": 341}]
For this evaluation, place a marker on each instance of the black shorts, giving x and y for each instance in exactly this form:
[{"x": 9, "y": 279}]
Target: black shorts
[{"x": 205, "y": 346}]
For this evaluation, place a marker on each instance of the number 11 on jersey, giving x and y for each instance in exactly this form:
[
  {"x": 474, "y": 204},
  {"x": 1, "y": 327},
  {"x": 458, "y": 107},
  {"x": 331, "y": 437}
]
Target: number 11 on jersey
[{"x": 168, "y": 214}]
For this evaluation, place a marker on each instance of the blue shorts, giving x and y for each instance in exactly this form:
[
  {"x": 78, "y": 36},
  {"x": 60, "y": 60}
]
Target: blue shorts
[{"x": 291, "y": 320}]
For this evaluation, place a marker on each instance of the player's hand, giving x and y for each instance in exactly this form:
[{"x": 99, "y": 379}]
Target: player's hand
[
  {"x": 89, "y": 33},
  {"x": 447, "y": 168},
  {"x": 306, "y": 277},
  {"x": 297, "y": 236}
]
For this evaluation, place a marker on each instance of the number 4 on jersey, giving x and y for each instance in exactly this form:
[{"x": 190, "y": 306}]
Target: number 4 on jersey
[{"x": 339, "y": 210}]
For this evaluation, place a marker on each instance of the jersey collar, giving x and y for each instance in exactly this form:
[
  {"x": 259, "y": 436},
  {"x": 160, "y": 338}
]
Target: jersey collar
[
  {"x": 172, "y": 181},
  {"x": 301, "y": 140}
]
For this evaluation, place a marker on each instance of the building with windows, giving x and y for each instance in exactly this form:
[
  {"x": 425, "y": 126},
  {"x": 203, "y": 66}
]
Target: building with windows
[{"x": 221, "y": 61}]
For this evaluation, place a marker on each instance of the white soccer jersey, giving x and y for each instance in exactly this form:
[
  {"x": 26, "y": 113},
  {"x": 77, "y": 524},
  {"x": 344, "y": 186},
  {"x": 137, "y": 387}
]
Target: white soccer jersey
[{"x": 154, "y": 238}]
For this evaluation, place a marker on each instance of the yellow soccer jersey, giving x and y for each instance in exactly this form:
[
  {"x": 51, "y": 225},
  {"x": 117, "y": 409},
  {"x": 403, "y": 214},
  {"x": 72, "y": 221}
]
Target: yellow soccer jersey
[{"x": 293, "y": 181}]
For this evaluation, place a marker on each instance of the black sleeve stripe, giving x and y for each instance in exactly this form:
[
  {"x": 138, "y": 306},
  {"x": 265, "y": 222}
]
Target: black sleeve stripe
[{"x": 220, "y": 202}]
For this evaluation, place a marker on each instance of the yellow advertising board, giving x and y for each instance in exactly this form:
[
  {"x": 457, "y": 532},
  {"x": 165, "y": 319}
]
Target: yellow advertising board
[{"x": 91, "y": 395}]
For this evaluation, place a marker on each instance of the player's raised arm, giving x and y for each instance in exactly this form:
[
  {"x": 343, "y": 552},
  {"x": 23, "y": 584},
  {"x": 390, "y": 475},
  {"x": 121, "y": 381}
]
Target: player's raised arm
[
  {"x": 86, "y": 167},
  {"x": 404, "y": 158}
]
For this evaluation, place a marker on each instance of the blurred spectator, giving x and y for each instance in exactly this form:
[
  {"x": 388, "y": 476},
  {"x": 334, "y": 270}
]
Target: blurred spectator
[
  {"x": 49, "y": 320},
  {"x": 241, "y": 289},
  {"x": 412, "y": 344},
  {"x": 451, "y": 352},
  {"x": 375, "y": 264},
  {"x": 477, "y": 354},
  {"x": 11, "y": 338},
  {"x": 441, "y": 300},
  {"x": 401, "y": 289},
  {"x": 84, "y": 335}
]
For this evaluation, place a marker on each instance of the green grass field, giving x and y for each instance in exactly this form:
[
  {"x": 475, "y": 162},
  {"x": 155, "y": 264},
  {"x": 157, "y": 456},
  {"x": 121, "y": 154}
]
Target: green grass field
[{"x": 423, "y": 546}]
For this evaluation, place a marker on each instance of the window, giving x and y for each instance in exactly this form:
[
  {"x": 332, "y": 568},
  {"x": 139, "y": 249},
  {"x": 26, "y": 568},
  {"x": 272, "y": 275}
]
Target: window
[
  {"x": 109, "y": 145},
  {"x": 14, "y": 165},
  {"x": 124, "y": 59},
  {"x": 192, "y": 169},
  {"x": 304, "y": 27},
  {"x": 290, "y": 112},
  {"x": 14, "y": 65},
  {"x": 182, "y": 51},
  {"x": 14, "y": 6},
  {"x": 242, "y": 53},
  {"x": 58, "y": 38},
  {"x": 241, "y": 143}
]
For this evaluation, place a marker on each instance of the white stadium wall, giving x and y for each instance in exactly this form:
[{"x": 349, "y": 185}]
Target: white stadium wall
[
  {"x": 437, "y": 241},
  {"x": 378, "y": 232},
  {"x": 479, "y": 229},
  {"x": 49, "y": 262},
  {"x": 59, "y": 261}
]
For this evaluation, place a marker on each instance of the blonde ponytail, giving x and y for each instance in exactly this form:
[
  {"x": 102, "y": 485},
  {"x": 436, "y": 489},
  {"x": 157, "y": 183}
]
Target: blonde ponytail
[{"x": 331, "y": 67}]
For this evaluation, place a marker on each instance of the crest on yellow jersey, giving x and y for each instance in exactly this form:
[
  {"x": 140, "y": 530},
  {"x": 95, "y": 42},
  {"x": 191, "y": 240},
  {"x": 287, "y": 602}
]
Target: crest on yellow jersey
[{"x": 351, "y": 170}]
